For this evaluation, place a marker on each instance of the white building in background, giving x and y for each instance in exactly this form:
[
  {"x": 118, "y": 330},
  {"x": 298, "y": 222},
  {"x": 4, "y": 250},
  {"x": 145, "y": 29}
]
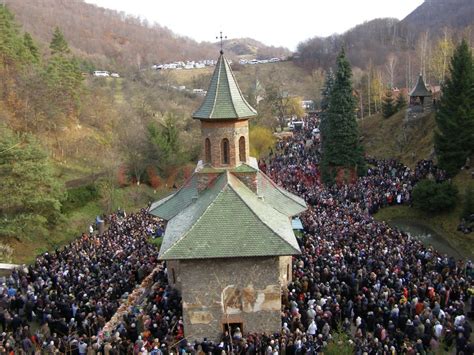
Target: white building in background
[{"x": 101, "y": 73}]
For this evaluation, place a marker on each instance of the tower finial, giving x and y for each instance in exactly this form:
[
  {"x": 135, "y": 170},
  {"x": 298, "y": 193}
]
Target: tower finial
[{"x": 222, "y": 41}]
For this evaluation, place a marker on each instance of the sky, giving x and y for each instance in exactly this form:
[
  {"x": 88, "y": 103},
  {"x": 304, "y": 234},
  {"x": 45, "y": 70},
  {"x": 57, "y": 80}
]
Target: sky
[{"x": 273, "y": 22}]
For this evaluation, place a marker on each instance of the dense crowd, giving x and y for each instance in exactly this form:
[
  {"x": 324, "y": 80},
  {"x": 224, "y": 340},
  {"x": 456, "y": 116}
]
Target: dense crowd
[
  {"x": 358, "y": 281},
  {"x": 387, "y": 292},
  {"x": 60, "y": 303}
]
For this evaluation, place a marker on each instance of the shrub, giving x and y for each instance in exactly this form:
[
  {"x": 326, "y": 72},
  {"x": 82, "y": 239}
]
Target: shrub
[
  {"x": 339, "y": 344},
  {"x": 261, "y": 141},
  {"x": 431, "y": 196},
  {"x": 80, "y": 196}
]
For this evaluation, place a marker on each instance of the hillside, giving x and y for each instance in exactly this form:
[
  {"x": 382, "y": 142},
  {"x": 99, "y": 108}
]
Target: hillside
[
  {"x": 253, "y": 48},
  {"x": 371, "y": 40},
  {"x": 289, "y": 76},
  {"x": 389, "y": 138},
  {"x": 106, "y": 36},
  {"x": 413, "y": 43},
  {"x": 433, "y": 15}
]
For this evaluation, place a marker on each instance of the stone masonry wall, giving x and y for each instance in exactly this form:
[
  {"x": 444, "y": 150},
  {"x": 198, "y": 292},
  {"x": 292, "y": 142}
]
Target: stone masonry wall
[
  {"x": 233, "y": 290},
  {"x": 216, "y": 132}
]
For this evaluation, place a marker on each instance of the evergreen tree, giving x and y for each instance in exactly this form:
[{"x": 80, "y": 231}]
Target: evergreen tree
[
  {"x": 58, "y": 44},
  {"x": 454, "y": 137},
  {"x": 166, "y": 150},
  {"x": 13, "y": 52},
  {"x": 63, "y": 80},
  {"x": 30, "y": 194},
  {"x": 31, "y": 46},
  {"x": 388, "y": 104},
  {"x": 401, "y": 101},
  {"x": 342, "y": 150},
  {"x": 326, "y": 94}
]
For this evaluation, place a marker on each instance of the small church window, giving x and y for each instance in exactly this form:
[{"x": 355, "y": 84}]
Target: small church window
[
  {"x": 225, "y": 151},
  {"x": 173, "y": 275},
  {"x": 207, "y": 148},
  {"x": 242, "y": 149}
]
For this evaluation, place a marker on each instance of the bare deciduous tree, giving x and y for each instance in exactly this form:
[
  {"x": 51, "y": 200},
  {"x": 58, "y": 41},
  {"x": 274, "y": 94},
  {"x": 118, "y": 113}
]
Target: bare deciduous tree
[{"x": 390, "y": 66}]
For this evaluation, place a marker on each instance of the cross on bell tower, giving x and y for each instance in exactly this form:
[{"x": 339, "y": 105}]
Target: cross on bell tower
[{"x": 222, "y": 41}]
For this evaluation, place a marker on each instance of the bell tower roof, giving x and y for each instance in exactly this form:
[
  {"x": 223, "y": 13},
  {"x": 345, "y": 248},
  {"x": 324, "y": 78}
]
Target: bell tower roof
[
  {"x": 420, "y": 89},
  {"x": 224, "y": 100}
]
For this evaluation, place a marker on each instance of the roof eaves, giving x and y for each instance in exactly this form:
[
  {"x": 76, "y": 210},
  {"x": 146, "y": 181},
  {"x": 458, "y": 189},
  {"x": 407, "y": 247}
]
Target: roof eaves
[
  {"x": 296, "y": 199},
  {"x": 158, "y": 203}
]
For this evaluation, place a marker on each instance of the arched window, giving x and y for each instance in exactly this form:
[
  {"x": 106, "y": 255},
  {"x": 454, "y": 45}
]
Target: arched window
[
  {"x": 225, "y": 151},
  {"x": 242, "y": 154},
  {"x": 207, "y": 150}
]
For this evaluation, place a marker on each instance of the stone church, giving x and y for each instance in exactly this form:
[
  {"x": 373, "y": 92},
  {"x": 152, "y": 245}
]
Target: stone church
[{"x": 229, "y": 241}]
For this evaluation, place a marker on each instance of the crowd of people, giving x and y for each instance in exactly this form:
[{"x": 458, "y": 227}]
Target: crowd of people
[
  {"x": 384, "y": 291},
  {"x": 60, "y": 303},
  {"x": 358, "y": 283}
]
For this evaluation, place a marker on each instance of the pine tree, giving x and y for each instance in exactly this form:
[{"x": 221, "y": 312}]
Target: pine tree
[
  {"x": 13, "y": 52},
  {"x": 58, "y": 44},
  {"x": 31, "y": 46},
  {"x": 326, "y": 94},
  {"x": 388, "y": 104},
  {"x": 342, "y": 150},
  {"x": 30, "y": 194},
  {"x": 63, "y": 80},
  {"x": 401, "y": 101},
  {"x": 454, "y": 137}
]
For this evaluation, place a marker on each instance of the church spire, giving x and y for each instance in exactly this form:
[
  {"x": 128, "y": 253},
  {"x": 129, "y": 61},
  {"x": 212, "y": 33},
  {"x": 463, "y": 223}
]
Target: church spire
[{"x": 224, "y": 100}]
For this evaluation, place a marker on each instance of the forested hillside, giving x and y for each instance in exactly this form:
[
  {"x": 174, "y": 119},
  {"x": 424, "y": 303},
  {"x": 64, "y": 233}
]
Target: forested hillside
[
  {"x": 106, "y": 36},
  {"x": 433, "y": 15},
  {"x": 60, "y": 128},
  {"x": 116, "y": 40},
  {"x": 400, "y": 50}
]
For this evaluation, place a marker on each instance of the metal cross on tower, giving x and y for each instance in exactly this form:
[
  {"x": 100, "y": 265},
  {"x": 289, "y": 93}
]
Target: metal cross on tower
[{"x": 222, "y": 41}]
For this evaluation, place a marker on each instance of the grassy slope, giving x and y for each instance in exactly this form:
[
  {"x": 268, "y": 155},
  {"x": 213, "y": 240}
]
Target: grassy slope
[
  {"x": 390, "y": 138},
  {"x": 131, "y": 199},
  {"x": 294, "y": 79}
]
